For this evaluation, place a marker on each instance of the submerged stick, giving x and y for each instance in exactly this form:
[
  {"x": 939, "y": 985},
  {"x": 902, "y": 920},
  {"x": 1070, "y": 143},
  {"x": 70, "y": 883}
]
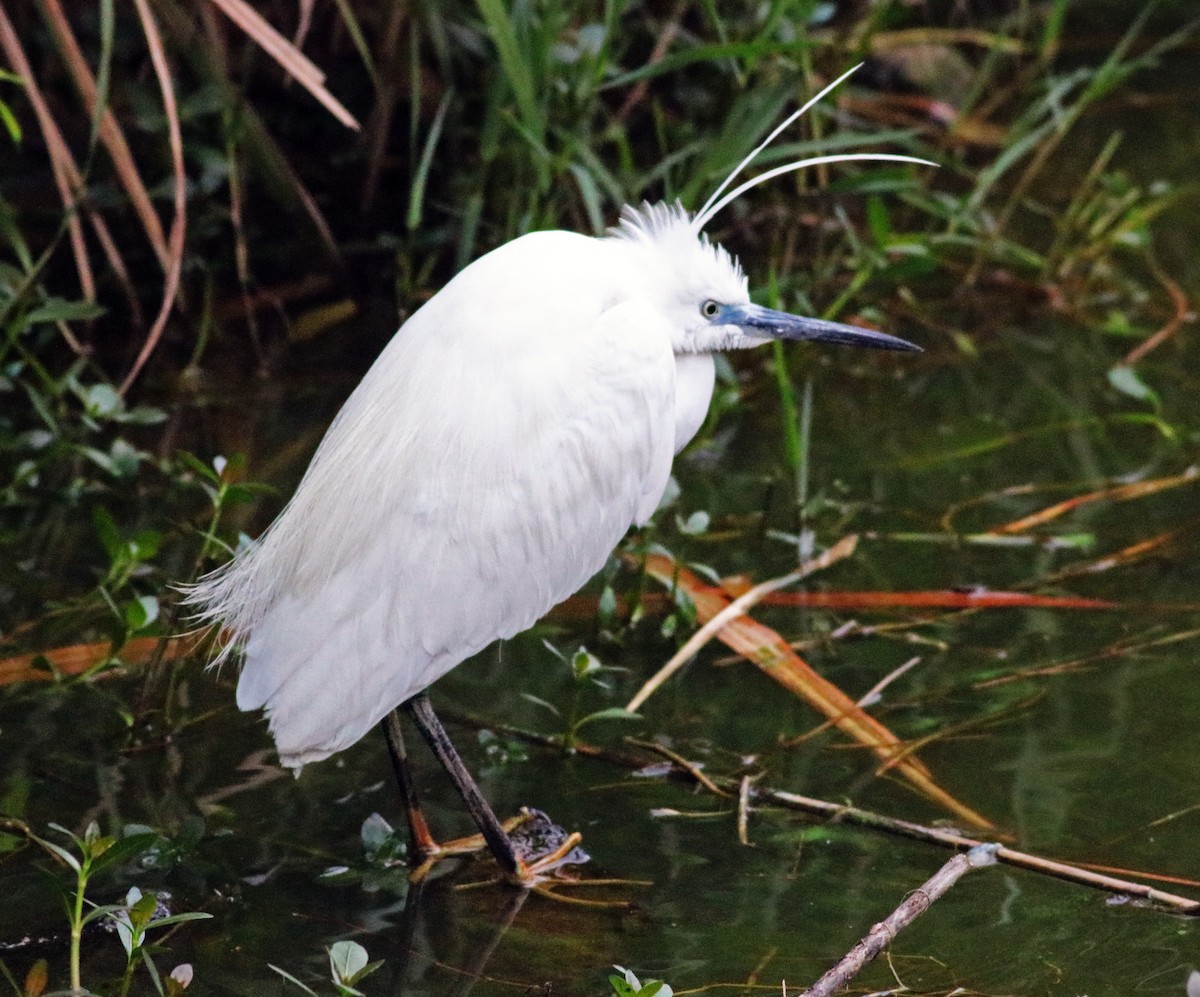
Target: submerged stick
[{"x": 914, "y": 905}]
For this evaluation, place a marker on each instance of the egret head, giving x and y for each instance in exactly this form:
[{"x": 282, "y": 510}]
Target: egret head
[{"x": 703, "y": 288}]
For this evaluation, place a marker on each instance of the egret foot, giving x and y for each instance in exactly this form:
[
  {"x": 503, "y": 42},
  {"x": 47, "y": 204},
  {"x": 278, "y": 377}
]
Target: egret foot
[
  {"x": 526, "y": 859},
  {"x": 541, "y": 848},
  {"x": 545, "y": 854}
]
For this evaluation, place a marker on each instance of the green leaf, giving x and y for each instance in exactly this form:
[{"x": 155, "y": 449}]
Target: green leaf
[
  {"x": 346, "y": 960},
  {"x": 199, "y": 467},
  {"x": 109, "y": 535},
  {"x": 538, "y": 701},
  {"x": 191, "y": 915},
  {"x": 416, "y": 197},
  {"x": 101, "y": 400},
  {"x": 114, "y": 911},
  {"x": 512, "y": 61},
  {"x": 619, "y": 987},
  {"x": 141, "y": 905},
  {"x": 101, "y": 460},
  {"x": 375, "y": 833},
  {"x": 125, "y": 457},
  {"x": 59, "y": 852},
  {"x": 367, "y": 970},
  {"x": 125, "y": 848},
  {"x": 611, "y": 713},
  {"x": 141, "y": 612},
  {"x": 606, "y": 608},
  {"x": 694, "y": 525},
  {"x": 11, "y": 125},
  {"x": 1126, "y": 380},
  {"x": 584, "y": 663},
  {"x": 62, "y": 310}
]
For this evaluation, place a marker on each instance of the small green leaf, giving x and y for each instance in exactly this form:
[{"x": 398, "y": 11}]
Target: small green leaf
[
  {"x": 694, "y": 525},
  {"x": 619, "y": 987},
  {"x": 101, "y": 400},
  {"x": 141, "y": 612},
  {"x": 59, "y": 852},
  {"x": 142, "y": 909},
  {"x": 367, "y": 970},
  {"x": 538, "y": 701},
  {"x": 191, "y": 915},
  {"x": 1126, "y": 380},
  {"x": 102, "y": 460},
  {"x": 346, "y": 960},
  {"x": 610, "y": 713},
  {"x": 124, "y": 848},
  {"x": 62, "y": 310},
  {"x": 606, "y": 608},
  {"x": 584, "y": 663},
  {"x": 375, "y": 833},
  {"x": 125, "y": 457}
]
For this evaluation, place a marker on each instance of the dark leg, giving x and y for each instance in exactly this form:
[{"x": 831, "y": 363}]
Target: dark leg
[
  {"x": 421, "y": 711},
  {"x": 421, "y": 841}
]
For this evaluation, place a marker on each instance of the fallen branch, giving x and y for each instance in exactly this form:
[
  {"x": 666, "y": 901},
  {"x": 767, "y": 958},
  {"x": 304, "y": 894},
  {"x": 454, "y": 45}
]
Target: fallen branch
[{"x": 915, "y": 904}]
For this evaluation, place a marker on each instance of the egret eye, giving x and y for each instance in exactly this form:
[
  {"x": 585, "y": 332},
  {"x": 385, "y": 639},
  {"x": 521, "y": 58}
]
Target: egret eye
[{"x": 709, "y": 309}]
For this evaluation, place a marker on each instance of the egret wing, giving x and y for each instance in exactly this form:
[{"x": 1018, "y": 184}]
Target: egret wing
[{"x": 458, "y": 497}]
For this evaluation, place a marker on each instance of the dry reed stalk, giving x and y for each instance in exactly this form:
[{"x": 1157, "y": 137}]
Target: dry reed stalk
[{"x": 162, "y": 71}]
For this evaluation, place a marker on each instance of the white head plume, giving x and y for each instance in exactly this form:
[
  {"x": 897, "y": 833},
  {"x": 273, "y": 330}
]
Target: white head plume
[{"x": 716, "y": 202}]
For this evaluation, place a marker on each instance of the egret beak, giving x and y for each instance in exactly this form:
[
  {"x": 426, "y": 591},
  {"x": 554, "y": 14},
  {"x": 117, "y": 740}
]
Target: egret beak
[{"x": 755, "y": 320}]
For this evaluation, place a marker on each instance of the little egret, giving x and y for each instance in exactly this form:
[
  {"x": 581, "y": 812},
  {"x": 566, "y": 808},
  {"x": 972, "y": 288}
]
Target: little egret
[{"x": 498, "y": 450}]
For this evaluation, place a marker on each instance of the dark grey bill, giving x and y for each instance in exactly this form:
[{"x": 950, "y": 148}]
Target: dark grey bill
[{"x": 759, "y": 321}]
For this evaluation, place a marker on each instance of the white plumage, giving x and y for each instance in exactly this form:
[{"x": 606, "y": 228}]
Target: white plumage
[{"x": 488, "y": 463}]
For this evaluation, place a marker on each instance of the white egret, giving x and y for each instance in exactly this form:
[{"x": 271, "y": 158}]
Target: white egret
[{"x": 484, "y": 469}]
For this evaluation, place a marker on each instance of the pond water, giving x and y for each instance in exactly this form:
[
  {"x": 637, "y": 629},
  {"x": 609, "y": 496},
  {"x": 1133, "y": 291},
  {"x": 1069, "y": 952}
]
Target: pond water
[{"x": 1073, "y": 730}]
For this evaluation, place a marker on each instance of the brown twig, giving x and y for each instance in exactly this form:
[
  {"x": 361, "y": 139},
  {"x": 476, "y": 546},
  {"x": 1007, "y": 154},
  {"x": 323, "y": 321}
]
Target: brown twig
[
  {"x": 66, "y": 174},
  {"x": 743, "y": 812},
  {"x": 1183, "y": 313},
  {"x": 690, "y": 768},
  {"x": 111, "y": 134},
  {"x": 914, "y": 905},
  {"x": 289, "y": 58},
  {"x": 162, "y": 70},
  {"x": 842, "y": 549},
  {"x": 662, "y": 46}
]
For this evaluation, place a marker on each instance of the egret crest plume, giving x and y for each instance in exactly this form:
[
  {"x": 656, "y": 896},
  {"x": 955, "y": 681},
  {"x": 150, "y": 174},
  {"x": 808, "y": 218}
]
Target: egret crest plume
[{"x": 716, "y": 203}]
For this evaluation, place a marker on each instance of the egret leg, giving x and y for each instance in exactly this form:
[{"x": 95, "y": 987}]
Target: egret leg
[
  {"x": 421, "y": 711},
  {"x": 421, "y": 840}
]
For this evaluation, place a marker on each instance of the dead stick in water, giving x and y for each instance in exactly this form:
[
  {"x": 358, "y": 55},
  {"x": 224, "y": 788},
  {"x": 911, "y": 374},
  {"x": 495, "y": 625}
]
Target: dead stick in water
[{"x": 914, "y": 905}]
